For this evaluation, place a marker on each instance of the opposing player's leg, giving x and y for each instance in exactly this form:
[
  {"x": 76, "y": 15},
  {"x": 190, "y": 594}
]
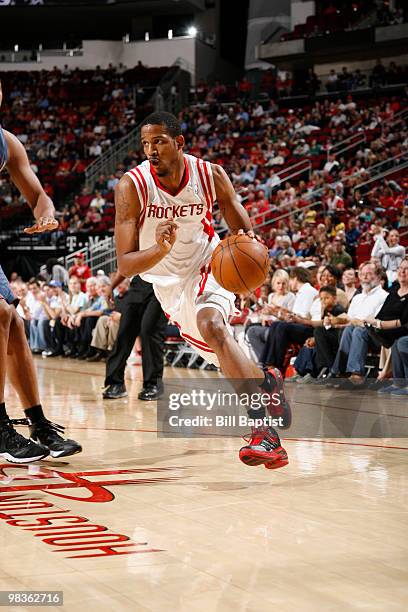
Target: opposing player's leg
[
  {"x": 5, "y": 318},
  {"x": 13, "y": 447},
  {"x": 22, "y": 374},
  {"x": 264, "y": 445}
]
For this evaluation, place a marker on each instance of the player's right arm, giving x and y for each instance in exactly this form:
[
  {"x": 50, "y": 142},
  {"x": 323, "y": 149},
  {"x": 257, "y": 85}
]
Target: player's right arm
[{"x": 131, "y": 260}]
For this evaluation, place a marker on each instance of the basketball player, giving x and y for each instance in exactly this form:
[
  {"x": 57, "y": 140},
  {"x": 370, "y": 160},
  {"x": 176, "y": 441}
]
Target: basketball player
[
  {"x": 15, "y": 354},
  {"x": 164, "y": 233}
]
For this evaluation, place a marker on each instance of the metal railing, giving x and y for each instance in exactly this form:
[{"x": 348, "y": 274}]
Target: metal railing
[
  {"x": 99, "y": 255},
  {"x": 376, "y": 170},
  {"x": 108, "y": 162},
  {"x": 349, "y": 143},
  {"x": 291, "y": 213},
  {"x": 30, "y": 56},
  {"x": 400, "y": 117},
  {"x": 383, "y": 174},
  {"x": 382, "y": 165},
  {"x": 306, "y": 167}
]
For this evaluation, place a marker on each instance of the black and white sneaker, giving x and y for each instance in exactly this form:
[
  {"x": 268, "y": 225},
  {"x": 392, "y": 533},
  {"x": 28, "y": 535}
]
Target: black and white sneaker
[
  {"x": 48, "y": 434},
  {"x": 17, "y": 449}
]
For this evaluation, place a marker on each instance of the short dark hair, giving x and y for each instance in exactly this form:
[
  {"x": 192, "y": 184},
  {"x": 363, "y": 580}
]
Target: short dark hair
[
  {"x": 34, "y": 281},
  {"x": 301, "y": 274},
  {"x": 329, "y": 289},
  {"x": 171, "y": 123},
  {"x": 333, "y": 271}
]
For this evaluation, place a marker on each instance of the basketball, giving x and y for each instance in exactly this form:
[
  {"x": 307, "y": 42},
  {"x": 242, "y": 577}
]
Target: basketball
[{"x": 240, "y": 264}]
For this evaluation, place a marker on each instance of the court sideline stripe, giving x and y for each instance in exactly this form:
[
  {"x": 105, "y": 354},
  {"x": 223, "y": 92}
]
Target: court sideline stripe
[
  {"x": 216, "y": 435},
  {"x": 395, "y": 416}
]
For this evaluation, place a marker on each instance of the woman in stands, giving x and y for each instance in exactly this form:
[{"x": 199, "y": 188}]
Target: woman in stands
[
  {"x": 389, "y": 251},
  {"x": 280, "y": 298}
]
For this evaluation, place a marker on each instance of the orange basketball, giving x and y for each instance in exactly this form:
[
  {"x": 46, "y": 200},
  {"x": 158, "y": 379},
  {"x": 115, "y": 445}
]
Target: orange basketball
[{"x": 240, "y": 264}]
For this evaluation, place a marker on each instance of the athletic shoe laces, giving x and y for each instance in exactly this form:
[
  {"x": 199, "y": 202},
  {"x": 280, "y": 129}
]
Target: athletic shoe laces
[
  {"x": 262, "y": 437},
  {"x": 45, "y": 427}
]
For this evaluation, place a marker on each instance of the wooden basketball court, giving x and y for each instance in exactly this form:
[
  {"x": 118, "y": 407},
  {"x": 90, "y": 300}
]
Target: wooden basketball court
[{"x": 138, "y": 522}]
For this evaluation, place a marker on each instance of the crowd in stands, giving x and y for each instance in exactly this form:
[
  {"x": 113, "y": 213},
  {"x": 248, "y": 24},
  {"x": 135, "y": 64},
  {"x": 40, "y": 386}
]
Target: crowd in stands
[
  {"x": 331, "y": 317},
  {"x": 314, "y": 202},
  {"x": 67, "y": 118},
  {"x": 324, "y": 311},
  {"x": 345, "y": 80},
  {"x": 277, "y": 83},
  {"x": 343, "y": 16},
  {"x": 259, "y": 146},
  {"x": 256, "y": 141},
  {"x": 70, "y": 312}
]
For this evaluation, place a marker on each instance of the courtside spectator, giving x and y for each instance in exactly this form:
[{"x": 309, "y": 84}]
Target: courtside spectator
[
  {"x": 107, "y": 327},
  {"x": 389, "y": 252},
  {"x": 80, "y": 270},
  {"x": 352, "y": 352}
]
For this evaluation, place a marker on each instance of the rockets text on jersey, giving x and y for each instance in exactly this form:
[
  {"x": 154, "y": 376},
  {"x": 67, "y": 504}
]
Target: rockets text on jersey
[{"x": 191, "y": 208}]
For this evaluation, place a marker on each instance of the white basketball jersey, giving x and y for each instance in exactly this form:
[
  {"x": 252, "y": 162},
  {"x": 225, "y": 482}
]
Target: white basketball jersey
[{"x": 191, "y": 208}]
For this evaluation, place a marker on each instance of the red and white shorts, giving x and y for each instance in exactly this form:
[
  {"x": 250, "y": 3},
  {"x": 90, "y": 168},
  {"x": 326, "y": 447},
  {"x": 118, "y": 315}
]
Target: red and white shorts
[{"x": 181, "y": 303}]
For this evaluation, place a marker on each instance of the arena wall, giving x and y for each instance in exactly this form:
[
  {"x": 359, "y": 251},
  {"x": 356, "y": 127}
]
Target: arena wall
[{"x": 161, "y": 52}]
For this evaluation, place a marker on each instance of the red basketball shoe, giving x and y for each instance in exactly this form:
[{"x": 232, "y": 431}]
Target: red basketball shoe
[
  {"x": 264, "y": 446},
  {"x": 273, "y": 384}
]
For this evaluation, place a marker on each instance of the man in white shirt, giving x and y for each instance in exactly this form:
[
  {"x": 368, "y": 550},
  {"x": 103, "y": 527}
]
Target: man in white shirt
[
  {"x": 338, "y": 118},
  {"x": 330, "y": 164},
  {"x": 95, "y": 149},
  {"x": 305, "y": 293},
  {"x": 352, "y": 352},
  {"x": 258, "y": 110},
  {"x": 285, "y": 332},
  {"x": 98, "y": 201},
  {"x": 272, "y": 181},
  {"x": 112, "y": 182},
  {"x": 334, "y": 201},
  {"x": 39, "y": 319}
]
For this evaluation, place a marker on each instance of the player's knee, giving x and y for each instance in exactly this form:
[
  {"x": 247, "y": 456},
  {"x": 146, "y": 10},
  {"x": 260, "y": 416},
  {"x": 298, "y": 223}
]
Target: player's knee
[
  {"x": 5, "y": 315},
  {"x": 212, "y": 329}
]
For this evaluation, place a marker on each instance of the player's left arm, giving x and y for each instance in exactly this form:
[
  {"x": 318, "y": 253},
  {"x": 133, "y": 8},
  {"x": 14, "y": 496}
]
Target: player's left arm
[
  {"x": 233, "y": 212},
  {"x": 30, "y": 187}
]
